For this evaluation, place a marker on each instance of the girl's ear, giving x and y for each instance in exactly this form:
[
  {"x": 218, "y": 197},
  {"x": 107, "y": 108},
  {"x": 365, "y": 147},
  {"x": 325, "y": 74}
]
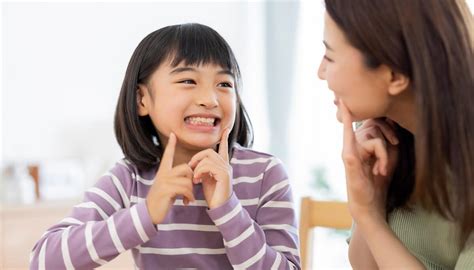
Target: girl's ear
[
  {"x": 398, "y": 83},
  {"x": 142, "y": 100}
]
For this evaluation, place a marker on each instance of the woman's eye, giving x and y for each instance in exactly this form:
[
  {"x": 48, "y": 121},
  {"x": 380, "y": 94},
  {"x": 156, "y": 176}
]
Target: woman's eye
[
  {"x": 328, "y": 59},
  {"x": 187, "y": 81},
  {"x": 225, "y": 84}
]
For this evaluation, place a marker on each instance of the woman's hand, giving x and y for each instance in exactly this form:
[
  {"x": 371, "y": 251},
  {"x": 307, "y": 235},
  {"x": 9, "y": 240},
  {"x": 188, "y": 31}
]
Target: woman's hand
[
  {"x": 169, "y": 182},
  {"x": 370, "y": 156},
  {"x": 369, "y": 162},
  {"x": 215, "y": 173}
]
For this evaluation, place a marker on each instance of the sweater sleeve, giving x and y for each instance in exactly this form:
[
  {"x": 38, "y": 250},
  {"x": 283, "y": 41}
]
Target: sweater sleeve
[
  {"x": 98, "y": 229},
  {"x": 270, "y": 241}
]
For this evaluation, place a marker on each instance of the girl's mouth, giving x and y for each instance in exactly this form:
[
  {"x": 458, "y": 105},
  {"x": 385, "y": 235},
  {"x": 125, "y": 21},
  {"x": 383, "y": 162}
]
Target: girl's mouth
[{"x": 201, "y": 121}]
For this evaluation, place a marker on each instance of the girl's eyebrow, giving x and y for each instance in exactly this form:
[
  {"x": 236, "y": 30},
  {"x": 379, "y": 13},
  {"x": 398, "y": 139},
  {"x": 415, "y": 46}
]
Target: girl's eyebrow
[
  {"x": 182, "y": 69},
  {"x": 226, "y": 72}
]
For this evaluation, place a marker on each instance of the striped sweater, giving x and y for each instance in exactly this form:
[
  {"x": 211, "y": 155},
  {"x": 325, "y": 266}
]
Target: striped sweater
[{"x": 254, "y": 229}]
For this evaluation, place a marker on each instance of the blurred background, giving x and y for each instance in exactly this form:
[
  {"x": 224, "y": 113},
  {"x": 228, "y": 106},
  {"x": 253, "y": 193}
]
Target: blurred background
[{"x": 62, "y": 68}]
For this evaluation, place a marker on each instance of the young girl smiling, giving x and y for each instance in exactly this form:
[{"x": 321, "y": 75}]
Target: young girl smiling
[{"x": 188, "y": 194}]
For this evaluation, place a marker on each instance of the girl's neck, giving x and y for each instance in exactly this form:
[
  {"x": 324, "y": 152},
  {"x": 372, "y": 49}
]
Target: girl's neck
[{"x": 182, "y": 155}]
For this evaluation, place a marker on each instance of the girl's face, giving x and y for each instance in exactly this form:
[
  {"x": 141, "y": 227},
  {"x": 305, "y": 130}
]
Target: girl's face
[
  {"x": 195, "y": 102},
  {"x": 363, "y": 90}
]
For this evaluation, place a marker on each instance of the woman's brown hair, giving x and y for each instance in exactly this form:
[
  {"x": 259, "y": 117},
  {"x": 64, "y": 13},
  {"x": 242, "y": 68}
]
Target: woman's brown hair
[
  {"x": 431, "y": 42},
  {"x": 191, "y": 44}
]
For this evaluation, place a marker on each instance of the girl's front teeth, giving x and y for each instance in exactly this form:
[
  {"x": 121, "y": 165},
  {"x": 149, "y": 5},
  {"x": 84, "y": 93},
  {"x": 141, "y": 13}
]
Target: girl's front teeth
[{"x": 201, "y": 121}]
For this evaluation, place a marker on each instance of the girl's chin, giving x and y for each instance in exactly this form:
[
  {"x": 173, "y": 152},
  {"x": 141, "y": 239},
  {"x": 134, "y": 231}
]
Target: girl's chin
[{"x": 198, "y": 145}]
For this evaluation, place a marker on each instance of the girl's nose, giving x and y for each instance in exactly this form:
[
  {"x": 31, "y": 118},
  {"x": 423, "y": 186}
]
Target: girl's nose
[{"x": 207, "y": 98}]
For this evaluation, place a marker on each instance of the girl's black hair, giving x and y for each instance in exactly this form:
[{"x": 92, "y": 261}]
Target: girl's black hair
[{"x": 191, "y": 44}]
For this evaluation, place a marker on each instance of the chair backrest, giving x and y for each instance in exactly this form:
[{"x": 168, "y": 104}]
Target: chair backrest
[{"x": 329, "y": 214}]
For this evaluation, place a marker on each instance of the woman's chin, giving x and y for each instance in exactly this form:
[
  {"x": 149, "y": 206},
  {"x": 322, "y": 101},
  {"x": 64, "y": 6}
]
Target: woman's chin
[
  {"x": 355, "y": 117},
  {"x": 339, "y": 116}
]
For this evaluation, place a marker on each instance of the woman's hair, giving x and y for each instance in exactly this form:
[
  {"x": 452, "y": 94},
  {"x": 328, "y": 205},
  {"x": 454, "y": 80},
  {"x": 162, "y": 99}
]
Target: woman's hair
[
  {"x": 430, "y": 42},
  {"x": 191, "y": 44}
]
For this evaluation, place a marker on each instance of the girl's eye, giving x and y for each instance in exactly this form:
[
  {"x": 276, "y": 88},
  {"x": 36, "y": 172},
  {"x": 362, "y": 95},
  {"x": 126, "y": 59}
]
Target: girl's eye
[
  {"x": 187, "y": 81},
  {"x": 328, "y": 59},
  {"x": 225, "y": 84}
]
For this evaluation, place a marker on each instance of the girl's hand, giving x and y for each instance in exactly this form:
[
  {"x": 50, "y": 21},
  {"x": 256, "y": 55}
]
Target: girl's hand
[
  {"x": 213, "y": 170},
  {"x": 369, "y": 162},
  {"x": 169, "y": 182}
]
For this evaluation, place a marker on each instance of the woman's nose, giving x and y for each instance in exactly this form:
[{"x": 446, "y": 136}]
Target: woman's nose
[{"x": 322, "y": 70}]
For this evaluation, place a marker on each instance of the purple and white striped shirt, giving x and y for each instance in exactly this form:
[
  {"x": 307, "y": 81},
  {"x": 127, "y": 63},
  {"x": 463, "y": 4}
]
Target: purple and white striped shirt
[{"x": 254, "y": 229}]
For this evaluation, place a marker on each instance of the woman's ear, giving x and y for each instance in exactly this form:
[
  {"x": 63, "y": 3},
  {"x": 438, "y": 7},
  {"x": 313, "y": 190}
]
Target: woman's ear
[
  {"x": 398, "y": 83},
  {"x": 143, "y": 99}
]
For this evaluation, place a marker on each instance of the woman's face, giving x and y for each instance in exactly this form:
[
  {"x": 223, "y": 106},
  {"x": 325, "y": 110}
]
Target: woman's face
[{"x": 364, "y": 91}]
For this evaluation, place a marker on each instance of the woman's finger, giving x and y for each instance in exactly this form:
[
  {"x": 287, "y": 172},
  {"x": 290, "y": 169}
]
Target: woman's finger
[
  {"x": 349, "y": 152},
  {"x": 378, "y": 149},
  {"x": 348, "y": 132},
  {"x": 386, "y": 129}
]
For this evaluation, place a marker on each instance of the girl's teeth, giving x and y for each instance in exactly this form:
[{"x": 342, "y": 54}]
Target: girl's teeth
[{"x": 201, "y": 121}]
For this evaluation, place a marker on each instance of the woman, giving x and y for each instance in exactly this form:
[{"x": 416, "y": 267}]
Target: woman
[{"x": 407, "y": 66}]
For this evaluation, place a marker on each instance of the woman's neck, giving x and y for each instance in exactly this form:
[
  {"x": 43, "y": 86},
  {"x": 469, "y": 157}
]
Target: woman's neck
[{"x": 404, "y": 112}]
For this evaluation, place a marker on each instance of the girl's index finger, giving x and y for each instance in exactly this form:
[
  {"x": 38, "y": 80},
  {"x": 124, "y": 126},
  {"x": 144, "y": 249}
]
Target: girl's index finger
[
  {"x": 224, "y": 145},
  {"x": 168, "y": 155}
]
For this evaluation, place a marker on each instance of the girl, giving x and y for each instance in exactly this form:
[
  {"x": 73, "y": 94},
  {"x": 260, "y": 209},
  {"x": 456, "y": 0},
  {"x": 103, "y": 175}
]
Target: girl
[
  {"x": 407, "y": 65},
  {"x": 188, "y": 193}
]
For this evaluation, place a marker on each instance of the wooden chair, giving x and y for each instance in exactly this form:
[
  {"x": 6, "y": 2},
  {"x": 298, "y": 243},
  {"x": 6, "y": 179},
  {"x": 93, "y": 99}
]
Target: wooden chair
[{"x": 329, "y": 214}]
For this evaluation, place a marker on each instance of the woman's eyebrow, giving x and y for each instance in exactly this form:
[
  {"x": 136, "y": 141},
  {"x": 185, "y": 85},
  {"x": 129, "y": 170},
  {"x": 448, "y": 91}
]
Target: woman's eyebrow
[{"x": 327, "y": 45}]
